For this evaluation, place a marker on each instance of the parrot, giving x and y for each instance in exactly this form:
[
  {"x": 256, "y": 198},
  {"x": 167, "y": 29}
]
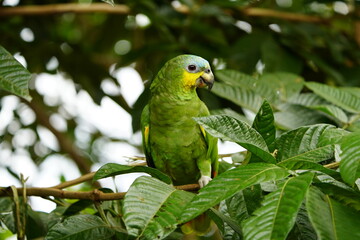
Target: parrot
[{"x": 173, "y": 141}]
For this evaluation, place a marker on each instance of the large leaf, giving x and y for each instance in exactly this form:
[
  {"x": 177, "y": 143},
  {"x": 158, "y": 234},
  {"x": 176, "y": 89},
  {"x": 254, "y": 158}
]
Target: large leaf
[
  {"x": 81, "y": 227},
  {"x": 303, "y": 230},
  {"x": 334, "y": 112},
  {"x": 332, "y": 220},
  {"x": 241, "y": 96},
  {"x": 337, "y": 96},
  {"x": 264, "y": 124},
  {"x": 229, "y": 183},
  {"x": 13, "y": 76},
  {"x": 231, "y": 129},
  {"x": 349, "y": 157},
  {"x": 151, "y": 208},
  {"x": 113, "y": 169},
  {"x": 346, "y": 196},
  {"x": 275, "y": 219},
  {"x": 303, "y": 144},
  {"x": 292, "y": 116},
  {"x": 272, "y": 86}
]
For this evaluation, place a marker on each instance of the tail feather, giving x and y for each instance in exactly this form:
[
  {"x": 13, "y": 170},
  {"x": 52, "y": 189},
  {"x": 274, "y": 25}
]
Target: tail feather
[{"x": 201, "y": 227}]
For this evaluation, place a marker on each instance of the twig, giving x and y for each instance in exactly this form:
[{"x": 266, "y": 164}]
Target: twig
[
  {"x": 81, "y": 179},
  {"x": 64, "y": 8},
  {"x": 333, "y": 165},
  {"x": 262, "y": 12}
]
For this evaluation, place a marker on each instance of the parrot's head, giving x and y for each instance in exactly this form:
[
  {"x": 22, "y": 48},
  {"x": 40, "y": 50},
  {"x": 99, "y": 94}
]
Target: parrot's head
[{"x": 186, "y": 72}]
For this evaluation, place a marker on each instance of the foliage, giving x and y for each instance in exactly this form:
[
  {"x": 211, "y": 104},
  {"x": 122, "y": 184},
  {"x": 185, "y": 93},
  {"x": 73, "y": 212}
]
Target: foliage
[{"x": 286, "y": 91}]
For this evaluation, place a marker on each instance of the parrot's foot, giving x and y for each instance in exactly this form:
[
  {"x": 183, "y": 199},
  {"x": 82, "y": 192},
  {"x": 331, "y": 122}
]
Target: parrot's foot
[{"x": 204, "y": 180}]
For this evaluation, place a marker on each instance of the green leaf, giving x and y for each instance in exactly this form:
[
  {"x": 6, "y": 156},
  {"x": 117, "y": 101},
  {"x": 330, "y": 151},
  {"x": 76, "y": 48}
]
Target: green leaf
[
  {"x": 13, "y": 76},
  {"x": 80, "y": 227},
  {"x": 111, "y": 2},
  {"x": 241, "y": 96},
  {"x": 303, "y": 230},
  {"x": 264, "y": 124},
  {"x": 231, "y": 129},
  {"x": 113, "y": 169},
  {"x": 151, "y": 208},
  {"x": 303, "y": 144},
  {"x": 349, "y": 157},
  {"x": 275, "y": 219},
  {"x": 331, "y": 220},
  {"x": 77, "y": 207},
  {"x": 293, "y": 116},
  {"x": 346, "y": 196},
  {"x": 306, "y": 162},
  {"x": 333, "y": 112},
  {"x": 235, "y": 78},
  {"x": 308, "y": 99},
  {"x": 279, "y": 87},
  {"x": 229, "y": 183},
  {"x": 241, "y": 205},
  {"x": 234, "y": 225},
  {"x": 248, "y": 92},
  {"x": 277, "y": 58},
  {"x": 6, "y": 213},
  {"x": 336, "y": 96}
]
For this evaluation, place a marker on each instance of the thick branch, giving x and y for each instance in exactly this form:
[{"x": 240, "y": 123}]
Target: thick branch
[
  {"x": 64, "y": 8},
  {"x": 95, "y": 195},
  {"x": 123, "y": 10},
  {"x": 262, "y": 12}
]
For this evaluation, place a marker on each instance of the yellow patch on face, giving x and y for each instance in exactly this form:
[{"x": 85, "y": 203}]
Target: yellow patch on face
[{"x": 189, "y": 79}]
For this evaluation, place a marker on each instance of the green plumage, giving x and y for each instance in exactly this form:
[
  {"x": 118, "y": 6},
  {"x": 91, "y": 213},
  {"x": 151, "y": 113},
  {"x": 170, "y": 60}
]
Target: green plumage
[{"x": 173, "y": 142}]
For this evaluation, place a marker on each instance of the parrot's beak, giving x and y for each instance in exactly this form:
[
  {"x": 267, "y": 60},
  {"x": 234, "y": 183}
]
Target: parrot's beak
[{"x": 206, "y": 79}]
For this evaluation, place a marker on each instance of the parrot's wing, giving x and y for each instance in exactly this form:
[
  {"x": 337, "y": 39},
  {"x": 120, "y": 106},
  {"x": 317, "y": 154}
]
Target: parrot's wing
[
  {"x": 211, "y": 142},
  {"x": 145, "y": 120}
]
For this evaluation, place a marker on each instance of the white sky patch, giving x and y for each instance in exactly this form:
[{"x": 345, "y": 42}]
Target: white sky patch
[
  {"x": 275, "y": 27},
  {"x": 131, "y": 85},
  {"x": 10, "y": 3},
  {"x": 20, "y": 58},
  {"x": 341, "y": 7},
  {"x": 142, "y": 20},
  {"x": 8, "y": 105},
  {"x": 27, "y": 35},
  {"x": 52, "y": 64},
  {"x": 245, "y": 26}
]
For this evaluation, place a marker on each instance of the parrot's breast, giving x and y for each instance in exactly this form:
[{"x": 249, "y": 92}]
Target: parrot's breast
[{"x": 176, "y": 140}]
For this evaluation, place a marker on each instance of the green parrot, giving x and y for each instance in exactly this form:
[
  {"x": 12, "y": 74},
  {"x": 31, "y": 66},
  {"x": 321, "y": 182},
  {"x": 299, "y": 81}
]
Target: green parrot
[{"x": 173, "y": 142}]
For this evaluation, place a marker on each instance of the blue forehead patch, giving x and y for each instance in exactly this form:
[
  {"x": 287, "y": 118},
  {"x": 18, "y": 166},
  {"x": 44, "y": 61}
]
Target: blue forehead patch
[{"x": 186, "y": 60}]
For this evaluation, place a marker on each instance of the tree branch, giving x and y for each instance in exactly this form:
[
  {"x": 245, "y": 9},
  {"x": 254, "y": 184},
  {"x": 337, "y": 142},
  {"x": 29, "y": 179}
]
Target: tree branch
[
  {"x": 123, "y": 10},
  {"x": 95, "y": 195},
  {"x": 64, "y": 8},
  {"x": 262, "y": 12}
]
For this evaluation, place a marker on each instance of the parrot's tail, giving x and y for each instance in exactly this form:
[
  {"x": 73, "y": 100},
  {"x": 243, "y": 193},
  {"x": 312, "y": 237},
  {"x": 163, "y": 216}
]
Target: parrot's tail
[{"x": 201, "y": 227}]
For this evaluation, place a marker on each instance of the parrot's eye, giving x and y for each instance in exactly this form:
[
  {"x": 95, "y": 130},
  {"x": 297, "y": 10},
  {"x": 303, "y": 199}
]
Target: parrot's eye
[{"x": 191, "y": 68}]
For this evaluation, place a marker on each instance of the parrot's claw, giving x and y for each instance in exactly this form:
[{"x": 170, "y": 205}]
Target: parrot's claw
[{"x": 204, "y": 180}]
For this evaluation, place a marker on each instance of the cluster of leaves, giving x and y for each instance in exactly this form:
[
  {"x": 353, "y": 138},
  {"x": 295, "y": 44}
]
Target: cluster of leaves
[{"x": 281, "y": 189}]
